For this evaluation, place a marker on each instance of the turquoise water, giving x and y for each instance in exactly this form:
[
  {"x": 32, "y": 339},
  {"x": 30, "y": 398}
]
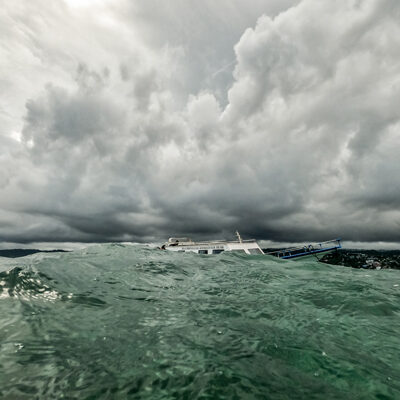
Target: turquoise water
[{"x": 117, "y": 322}]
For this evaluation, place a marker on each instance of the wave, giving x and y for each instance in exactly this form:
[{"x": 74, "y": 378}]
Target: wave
[{"x": 122, "y": 321}]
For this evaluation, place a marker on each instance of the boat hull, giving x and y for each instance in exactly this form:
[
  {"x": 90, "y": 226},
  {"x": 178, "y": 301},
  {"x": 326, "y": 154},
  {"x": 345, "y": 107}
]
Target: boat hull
[
  {"x": 311, "y": 256},
  {"x": 215, "y": 247}
]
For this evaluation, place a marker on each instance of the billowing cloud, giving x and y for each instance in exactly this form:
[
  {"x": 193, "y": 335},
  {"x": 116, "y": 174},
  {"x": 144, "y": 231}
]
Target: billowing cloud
[{"x": 127, "y": 121}]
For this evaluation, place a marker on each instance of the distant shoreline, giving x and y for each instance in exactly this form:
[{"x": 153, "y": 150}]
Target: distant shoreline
[{"x": 15, "y": 253}]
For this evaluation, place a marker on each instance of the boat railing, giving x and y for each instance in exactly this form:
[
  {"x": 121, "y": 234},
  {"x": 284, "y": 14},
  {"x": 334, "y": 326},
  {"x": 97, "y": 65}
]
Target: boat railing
[
  {"x": 307, "y": 249},
  {"x": 219, "y": 241}
]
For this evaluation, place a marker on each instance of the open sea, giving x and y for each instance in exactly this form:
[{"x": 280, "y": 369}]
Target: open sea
[{"x": 130, "y": 322}]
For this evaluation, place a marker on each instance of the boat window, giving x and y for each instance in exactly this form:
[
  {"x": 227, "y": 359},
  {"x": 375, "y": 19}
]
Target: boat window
[
  {"x": 255, "y": 251},
  {"x": 217, "y": 251},
  {"x": 203, "y": 252}
]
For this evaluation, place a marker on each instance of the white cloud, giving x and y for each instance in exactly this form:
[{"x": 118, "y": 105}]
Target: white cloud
[{"x": 133, "y": 126}]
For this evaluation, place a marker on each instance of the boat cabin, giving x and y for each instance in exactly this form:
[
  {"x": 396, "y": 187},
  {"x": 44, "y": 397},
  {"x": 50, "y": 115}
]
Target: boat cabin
[{"x": 213, "y": 246}]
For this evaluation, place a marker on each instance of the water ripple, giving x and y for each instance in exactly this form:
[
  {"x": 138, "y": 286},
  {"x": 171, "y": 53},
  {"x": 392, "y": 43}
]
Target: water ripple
[{"x": 120, "y": 321}]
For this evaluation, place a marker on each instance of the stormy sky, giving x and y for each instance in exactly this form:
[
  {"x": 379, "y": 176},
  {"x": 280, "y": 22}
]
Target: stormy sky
[{"x": 130, "y": 120}]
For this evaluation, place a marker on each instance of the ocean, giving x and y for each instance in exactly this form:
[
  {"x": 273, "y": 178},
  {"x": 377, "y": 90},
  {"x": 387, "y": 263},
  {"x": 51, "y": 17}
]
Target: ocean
[{"x": 131, "y": 322}]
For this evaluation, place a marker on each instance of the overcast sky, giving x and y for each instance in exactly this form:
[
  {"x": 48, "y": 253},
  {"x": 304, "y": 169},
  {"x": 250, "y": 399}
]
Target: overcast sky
[{"x": 138, "y": 120}]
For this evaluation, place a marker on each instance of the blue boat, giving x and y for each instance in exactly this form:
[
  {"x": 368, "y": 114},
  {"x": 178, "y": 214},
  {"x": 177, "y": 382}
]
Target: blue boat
[{"x": 315, "y": 250}]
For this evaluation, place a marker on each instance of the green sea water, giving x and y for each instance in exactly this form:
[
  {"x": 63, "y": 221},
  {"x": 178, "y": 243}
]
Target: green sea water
[{"x": 130, "y": 322}]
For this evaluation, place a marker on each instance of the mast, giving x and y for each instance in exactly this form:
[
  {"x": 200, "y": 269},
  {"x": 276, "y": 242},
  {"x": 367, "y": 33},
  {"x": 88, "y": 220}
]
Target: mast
[{"x": 239, "y": 237}]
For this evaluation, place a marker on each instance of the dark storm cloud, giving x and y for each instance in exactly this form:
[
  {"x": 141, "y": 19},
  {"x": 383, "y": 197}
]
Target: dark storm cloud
[{"x": 279, "y": 119}]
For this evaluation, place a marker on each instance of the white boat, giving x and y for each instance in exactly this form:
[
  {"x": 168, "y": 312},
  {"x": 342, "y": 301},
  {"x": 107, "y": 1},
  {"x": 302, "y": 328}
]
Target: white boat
[
  {"x": 213, "y": 246},
  {"x": 250, "y": 247}
]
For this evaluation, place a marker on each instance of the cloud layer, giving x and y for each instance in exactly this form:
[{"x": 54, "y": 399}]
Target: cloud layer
[{"x": 125, "y": 121}]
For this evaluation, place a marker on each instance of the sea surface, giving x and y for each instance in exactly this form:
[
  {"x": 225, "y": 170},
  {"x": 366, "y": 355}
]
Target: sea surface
[{"x": 131, "y": 322}]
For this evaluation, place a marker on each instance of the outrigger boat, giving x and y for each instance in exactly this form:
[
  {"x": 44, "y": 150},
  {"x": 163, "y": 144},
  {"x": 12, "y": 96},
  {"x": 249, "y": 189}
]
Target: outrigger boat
[
  {"x": 311, "y": 250},
  {"x": 249, "y": 247}
]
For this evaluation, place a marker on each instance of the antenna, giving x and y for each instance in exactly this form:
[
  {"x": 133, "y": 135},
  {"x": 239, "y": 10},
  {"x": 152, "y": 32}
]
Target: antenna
[{"x": 238, "y": 236}]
